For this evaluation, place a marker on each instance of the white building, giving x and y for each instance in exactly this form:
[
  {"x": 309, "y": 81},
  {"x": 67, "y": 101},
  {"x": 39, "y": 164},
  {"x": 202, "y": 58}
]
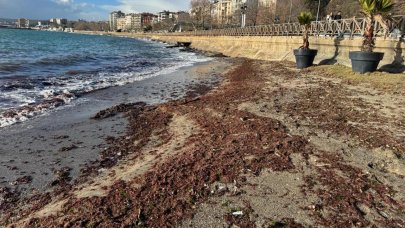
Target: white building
[
  {"x": 58, "y": 21},
  {"x": 114, "y": 16},
  {"x": 133, "y": 21},
  {"x": 267, "y": 3},
  {"x": 165, "y": 15},
  {"x": 23, "y": 23},
  {"x": 223, "y": 11},
  {"x": 237, "y": 5}
]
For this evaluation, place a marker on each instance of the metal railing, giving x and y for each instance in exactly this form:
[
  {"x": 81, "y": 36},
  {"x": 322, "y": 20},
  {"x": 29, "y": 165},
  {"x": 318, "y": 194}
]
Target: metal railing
[{"x": 346, "y": 27}]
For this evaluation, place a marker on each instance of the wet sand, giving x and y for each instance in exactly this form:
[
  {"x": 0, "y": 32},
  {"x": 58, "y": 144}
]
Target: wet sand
[{"x": 33, "y": 154}]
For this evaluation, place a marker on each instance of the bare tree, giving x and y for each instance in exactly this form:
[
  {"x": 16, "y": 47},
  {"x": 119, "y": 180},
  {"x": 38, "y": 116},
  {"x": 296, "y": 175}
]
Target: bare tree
[
  {"x": 288, "y": 10},
  {"x": 201, "y": 13},
  {"x": 252, "y": 12},
  {"x": 266, "y": 14},
  {"x": 312, "y": 6}
]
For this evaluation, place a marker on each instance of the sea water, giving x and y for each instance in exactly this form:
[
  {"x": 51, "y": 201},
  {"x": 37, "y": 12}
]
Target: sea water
[{"x": 40, "y": 70}]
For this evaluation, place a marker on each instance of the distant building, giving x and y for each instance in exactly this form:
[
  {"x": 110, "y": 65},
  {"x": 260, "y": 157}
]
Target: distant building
[
  {"x": 182, "y": 16},
  {"x": 147, "y": 19},
  {"x": 237, "y": 5},
  {"x": 133, "y": 22},
  {"x": 155, "y": 19},
  {"x": 58, "y": 21},
  {"x": 222, "y": 11},
  {"x": 23, "y": 23},
  {"x": 113, "y": 20},
  {"x": 165, "y": 15},
  {"x": 268, "y": 3},
  {"x": 120, "y": 24}
]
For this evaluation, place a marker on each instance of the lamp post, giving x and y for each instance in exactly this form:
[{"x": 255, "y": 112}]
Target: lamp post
[
  {"x": 289, "y": 18},
  {"x": 243, "y": 10},
  {"x": 319, "y": 6}
]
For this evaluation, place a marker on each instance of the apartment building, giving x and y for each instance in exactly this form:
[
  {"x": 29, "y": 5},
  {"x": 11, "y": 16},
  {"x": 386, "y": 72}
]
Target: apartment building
[
  {"x": 113, "y": 19},
  {"x": 268, "y": 3},
  {"x": 237, "y": 5},
  {"x": 23, "y": 23},
  {"x": 147, "y": 19},
  {"x": 165, "y": 15},
  {"x": 58, "y": 22},
  {"x": 222, "y": 11},
  {"x": 120, "y": 24},
  {"x": 133, "y": 21}
]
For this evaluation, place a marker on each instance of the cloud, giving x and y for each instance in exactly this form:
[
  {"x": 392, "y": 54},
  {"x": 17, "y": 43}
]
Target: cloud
[
  {"x": 63, "y": 2},
  {"x": 83, "y": 9}
]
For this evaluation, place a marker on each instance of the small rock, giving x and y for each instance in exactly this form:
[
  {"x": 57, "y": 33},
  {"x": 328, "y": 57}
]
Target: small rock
[
  {"x": 383, "y": 214},
  {"x": 364, "y": 209}
]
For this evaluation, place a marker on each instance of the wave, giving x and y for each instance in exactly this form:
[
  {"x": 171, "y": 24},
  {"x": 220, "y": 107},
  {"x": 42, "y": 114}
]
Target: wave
[
  {"x": 35, "y": 96},
  {"x": 10, "y": 67},
  {"x": 65, "y": 60},
  {"x": 23, "y": 113}
]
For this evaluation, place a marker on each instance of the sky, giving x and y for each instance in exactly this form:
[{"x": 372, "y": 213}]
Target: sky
[{"x": 93, "y": 10}]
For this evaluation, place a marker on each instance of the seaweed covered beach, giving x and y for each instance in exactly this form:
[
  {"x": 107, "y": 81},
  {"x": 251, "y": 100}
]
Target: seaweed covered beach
[{"x": 269, "y": 146}]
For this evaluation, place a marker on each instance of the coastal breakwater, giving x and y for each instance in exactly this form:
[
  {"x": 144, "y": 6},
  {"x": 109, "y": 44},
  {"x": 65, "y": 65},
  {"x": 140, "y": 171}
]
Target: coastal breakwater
[{"x": 331, "y": 50}]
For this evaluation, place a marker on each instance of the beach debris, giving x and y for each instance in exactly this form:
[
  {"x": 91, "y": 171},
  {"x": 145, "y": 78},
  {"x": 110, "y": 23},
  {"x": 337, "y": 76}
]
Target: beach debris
[
  {"x": 61, "y": 137},
  {"x": 68, "y": 148},
  {"x": 364, "y": 209},
  {"x": 62, "y": 176},
  {"x": 110, "y": 112},
  {"x": 7, "y": 196},
  {"x": 24, "y": 180},
  {"x": 237, "y": 213}
]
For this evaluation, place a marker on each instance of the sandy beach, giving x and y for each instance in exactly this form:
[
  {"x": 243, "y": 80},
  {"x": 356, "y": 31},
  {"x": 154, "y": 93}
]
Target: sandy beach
[
  {"x": 270, "y": 146},
  {"x": 52, "y": 151}
]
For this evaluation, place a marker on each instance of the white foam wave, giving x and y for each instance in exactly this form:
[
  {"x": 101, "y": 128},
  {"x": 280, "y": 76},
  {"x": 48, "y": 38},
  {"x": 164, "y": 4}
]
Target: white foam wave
[{"x": 55, "y": 96}]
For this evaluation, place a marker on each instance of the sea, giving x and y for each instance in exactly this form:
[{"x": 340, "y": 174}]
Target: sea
[{"x": 41, "y": 71}]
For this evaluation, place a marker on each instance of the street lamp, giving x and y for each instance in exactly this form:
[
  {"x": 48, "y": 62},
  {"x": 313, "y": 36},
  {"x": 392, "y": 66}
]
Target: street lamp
[
  {"x": 289, "y": 19},
  {"x": 243, "y": 10},
  {"x": 319, "y": 6}
]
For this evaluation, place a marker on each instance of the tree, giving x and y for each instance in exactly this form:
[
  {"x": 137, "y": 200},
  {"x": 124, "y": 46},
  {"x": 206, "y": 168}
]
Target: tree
[
  {"x": 305, "y": 19},
  {"x": 201, "y": 12},
  {"x": 266, "y": 14},
  {"x": 287, "y": 11},
  {"x": 252, "y": 12},
  {"x": 374, "y": 10},
  {"x": 312, "y": 6},
  {"x": 349, "y": 8},
  {"x": 91, "y": 26}
]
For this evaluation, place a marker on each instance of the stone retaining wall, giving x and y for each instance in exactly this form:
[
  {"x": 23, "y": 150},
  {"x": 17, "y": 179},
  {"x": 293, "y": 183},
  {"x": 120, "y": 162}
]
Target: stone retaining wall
[{"x": 330, "y": 50}]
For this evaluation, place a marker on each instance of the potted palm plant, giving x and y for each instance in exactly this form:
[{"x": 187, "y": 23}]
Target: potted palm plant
[
  {"x": 303, "y": 55},
  {"x": 374, "y": 10}
]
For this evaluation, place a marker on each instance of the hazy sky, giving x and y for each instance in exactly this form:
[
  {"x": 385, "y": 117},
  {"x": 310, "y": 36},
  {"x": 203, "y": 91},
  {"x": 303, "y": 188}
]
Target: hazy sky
[{"x": 83, "y": 9}]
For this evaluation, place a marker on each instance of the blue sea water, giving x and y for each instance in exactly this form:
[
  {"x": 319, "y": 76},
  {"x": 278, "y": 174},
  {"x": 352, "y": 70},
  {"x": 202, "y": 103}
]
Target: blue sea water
[{"x": 41, "y": 70}]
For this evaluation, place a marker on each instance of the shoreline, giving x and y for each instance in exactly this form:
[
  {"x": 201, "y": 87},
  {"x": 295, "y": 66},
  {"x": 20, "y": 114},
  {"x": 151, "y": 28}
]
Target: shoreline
[
  {"x": 39, "y": 103},
  {"x": 50, "y": 151},
  {"x": 270, "y": 145}
]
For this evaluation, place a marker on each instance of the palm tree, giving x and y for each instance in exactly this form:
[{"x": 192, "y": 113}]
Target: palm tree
[
  {"x": 305, "y": 19},
  {"x": 374, "y": 10}
]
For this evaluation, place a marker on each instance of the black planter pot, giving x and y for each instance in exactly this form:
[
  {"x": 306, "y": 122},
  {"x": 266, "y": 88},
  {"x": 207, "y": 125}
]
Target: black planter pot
[
  {"x": 304, "y": 57},
  {"x": 363, "y": 62}
]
